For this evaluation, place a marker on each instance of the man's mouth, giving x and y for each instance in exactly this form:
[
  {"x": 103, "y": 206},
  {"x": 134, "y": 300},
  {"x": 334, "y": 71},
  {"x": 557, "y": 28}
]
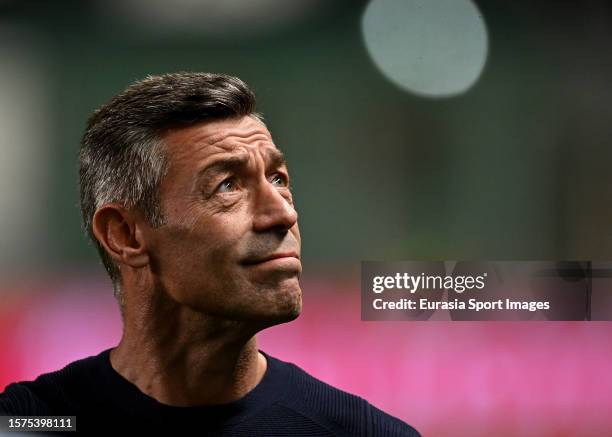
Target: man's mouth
[{"x": 271, "y": 257}]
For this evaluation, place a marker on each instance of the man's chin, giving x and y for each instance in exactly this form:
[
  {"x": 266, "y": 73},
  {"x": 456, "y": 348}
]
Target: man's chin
[
  {"x": 282, "y": 312},
  {"x": 276, "y": 319}
]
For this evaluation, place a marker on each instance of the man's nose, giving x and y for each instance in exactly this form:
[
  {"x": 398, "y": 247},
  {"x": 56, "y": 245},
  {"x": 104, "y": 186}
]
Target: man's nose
[{"x": 272, "y": 210}]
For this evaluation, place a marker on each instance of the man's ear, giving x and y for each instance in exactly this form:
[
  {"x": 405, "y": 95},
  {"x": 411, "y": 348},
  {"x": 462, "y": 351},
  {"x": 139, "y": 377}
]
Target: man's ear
[{"x": 120, "y": 233}]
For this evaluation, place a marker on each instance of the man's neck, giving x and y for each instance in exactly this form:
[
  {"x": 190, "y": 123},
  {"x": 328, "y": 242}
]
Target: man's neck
[{"x": 187, "y": 359}]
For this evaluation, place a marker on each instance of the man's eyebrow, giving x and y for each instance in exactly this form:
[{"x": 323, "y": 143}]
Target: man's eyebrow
[
  {"x": 276, "y": 159},
  {"x": 221, "y": 165}
]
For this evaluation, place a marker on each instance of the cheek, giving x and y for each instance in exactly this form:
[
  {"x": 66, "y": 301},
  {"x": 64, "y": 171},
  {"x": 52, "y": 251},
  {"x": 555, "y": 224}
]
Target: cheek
[
  {"x": 193, "y": 266},
  {"x": 208, "y": 248},
  {"x": 200, "y": 245}
]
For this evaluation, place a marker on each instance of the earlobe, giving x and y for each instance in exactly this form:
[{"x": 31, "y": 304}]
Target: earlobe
[{"x": 120, "y": 234}]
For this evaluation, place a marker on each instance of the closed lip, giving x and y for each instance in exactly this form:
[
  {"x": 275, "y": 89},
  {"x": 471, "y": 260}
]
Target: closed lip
[{"x": 271, "y": 257}]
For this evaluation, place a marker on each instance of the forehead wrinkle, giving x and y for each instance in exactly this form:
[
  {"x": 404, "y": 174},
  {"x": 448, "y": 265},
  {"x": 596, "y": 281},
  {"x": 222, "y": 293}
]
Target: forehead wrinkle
[
  {"x": 236, "y": 141},
  {"x": 273, "y": 157},
  {"x": 233, "y": 137},
  {"x": 224, "y": 144},
  {"x": 205, "y": 138}
]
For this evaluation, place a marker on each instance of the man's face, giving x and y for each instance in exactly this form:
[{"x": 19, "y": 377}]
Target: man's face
[{"x": 231, "y": 244}]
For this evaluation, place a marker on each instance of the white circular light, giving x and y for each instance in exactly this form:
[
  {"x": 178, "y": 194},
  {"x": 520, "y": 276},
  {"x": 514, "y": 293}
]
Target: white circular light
[{"x": 432, "y": 48}]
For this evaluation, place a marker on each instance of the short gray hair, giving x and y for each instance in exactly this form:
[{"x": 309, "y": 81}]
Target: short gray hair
[{"x": 122, "y": 158}]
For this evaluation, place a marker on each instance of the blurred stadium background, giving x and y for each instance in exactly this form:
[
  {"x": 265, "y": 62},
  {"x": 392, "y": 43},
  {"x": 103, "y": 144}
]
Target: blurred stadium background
[{"x": 482, "y": 132}]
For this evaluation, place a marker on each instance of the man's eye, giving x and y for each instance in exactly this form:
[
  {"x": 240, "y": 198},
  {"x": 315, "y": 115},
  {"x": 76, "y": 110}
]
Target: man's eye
[
  {"x": 279, "y": 179},
  {"x": 226, "y": 186}
]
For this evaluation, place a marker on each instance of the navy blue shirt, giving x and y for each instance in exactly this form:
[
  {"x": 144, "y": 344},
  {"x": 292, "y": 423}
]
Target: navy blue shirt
[{"x": 287, "y": 402}]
